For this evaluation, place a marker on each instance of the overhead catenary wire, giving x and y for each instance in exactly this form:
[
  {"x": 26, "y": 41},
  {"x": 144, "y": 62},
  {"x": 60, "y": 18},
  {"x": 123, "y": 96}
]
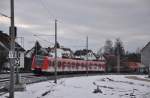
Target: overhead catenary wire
[
  {"x": 45, "y": 40},
  {"x": 44, "y": 4},
  {"x": 4, "y": 15},
  {"x": 52, "y": 16},
  {"x": 45, "y": 7}
]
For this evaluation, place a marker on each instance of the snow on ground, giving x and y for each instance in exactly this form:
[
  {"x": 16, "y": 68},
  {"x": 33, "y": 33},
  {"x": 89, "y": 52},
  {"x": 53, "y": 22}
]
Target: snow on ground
[{"x": 102, "y": 86}]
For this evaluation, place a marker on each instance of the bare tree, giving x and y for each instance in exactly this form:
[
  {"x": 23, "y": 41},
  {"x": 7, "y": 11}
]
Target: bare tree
[
  {"x": 108, "y": 47},
  {"x": 119, "y": 52},
  {"x": 119, "y": 48}
]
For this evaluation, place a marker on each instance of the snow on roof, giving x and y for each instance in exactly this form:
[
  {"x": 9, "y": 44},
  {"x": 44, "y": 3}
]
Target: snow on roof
[
  {"x": 5, "y": 39},
  {"x": 145, "y": 46}
]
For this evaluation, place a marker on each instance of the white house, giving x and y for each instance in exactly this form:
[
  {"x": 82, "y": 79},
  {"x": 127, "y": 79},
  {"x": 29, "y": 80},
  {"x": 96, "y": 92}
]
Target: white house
[
  {"x": 61, "y": 53},
  {"x": 84, "y": 54},
  {"x": 145, "y": 56}
]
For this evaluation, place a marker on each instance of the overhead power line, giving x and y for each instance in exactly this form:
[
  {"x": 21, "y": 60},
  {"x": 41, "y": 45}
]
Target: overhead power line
[
  {"x": 42, "y": 35},
  {"x": 4, "y": 15},
  {"x": 44, "y": 40},
  {"x": 45, "y": 6}
]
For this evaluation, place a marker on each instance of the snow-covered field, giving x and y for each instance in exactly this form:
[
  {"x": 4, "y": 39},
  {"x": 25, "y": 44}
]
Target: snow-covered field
[{"x": 102, "y": 86}]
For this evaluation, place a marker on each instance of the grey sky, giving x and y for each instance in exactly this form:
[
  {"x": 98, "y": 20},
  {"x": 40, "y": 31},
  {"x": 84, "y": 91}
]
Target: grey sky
[{"x": 99, "y": 19}]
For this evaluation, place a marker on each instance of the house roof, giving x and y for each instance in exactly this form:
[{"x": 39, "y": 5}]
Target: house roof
[
  {"x": 5, "y": 40},
  {"x": 2, "y": 46},
  {"x": 64, "y": 49},
  {"x": 83, "y": 52},
  {"x": 145, "y": 46}
]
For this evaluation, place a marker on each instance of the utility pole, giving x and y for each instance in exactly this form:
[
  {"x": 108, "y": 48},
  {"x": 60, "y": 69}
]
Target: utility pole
[
  {"x": 118, "y": 60},
  {"x": 149, "y": 71},
  {"x": 12, "y": 50},
  {"x": 87, "y": 55},
  {"x": 55, "y": 81}
]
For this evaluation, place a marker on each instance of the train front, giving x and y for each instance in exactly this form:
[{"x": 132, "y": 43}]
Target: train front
[{"x": 39, "y": 64}]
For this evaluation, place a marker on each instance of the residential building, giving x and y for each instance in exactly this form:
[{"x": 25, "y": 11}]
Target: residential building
[
  {"x": 145, "y": 56},
  {"x": 62, "y": 52},
  {"x": 84, "y": 55},
  {"x": 4, "y": 50}
]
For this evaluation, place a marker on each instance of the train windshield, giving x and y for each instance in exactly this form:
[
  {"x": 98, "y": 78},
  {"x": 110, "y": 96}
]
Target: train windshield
[{"x": 39, "y": 60}]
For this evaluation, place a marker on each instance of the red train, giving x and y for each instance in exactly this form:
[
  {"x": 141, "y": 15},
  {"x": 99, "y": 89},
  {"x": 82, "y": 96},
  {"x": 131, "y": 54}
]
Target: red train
[{"x": 45, "y": 64}]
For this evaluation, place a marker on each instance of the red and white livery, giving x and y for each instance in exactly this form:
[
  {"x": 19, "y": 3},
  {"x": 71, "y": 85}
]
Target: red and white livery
[{"x": 46, "y": 64}]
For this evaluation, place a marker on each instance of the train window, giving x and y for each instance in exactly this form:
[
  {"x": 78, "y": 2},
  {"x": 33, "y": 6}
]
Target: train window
[
  {"x": 53, "y": 63},
  {"x": 39, "y": 60},
  {"x": 68, "y": 65},
  {"x": 63, "y": 64}
]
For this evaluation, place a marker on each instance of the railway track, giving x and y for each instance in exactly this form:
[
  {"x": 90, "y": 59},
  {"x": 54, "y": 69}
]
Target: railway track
[
  {"x": 27, "y": 79},
  {"x": 31, "y": 78},
  {"x": 5, "y": 79}
]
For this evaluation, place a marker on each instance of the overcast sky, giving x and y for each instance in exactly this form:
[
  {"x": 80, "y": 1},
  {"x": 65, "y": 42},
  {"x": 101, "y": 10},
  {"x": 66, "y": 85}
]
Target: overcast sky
[{"x": 128, "y": 20}]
